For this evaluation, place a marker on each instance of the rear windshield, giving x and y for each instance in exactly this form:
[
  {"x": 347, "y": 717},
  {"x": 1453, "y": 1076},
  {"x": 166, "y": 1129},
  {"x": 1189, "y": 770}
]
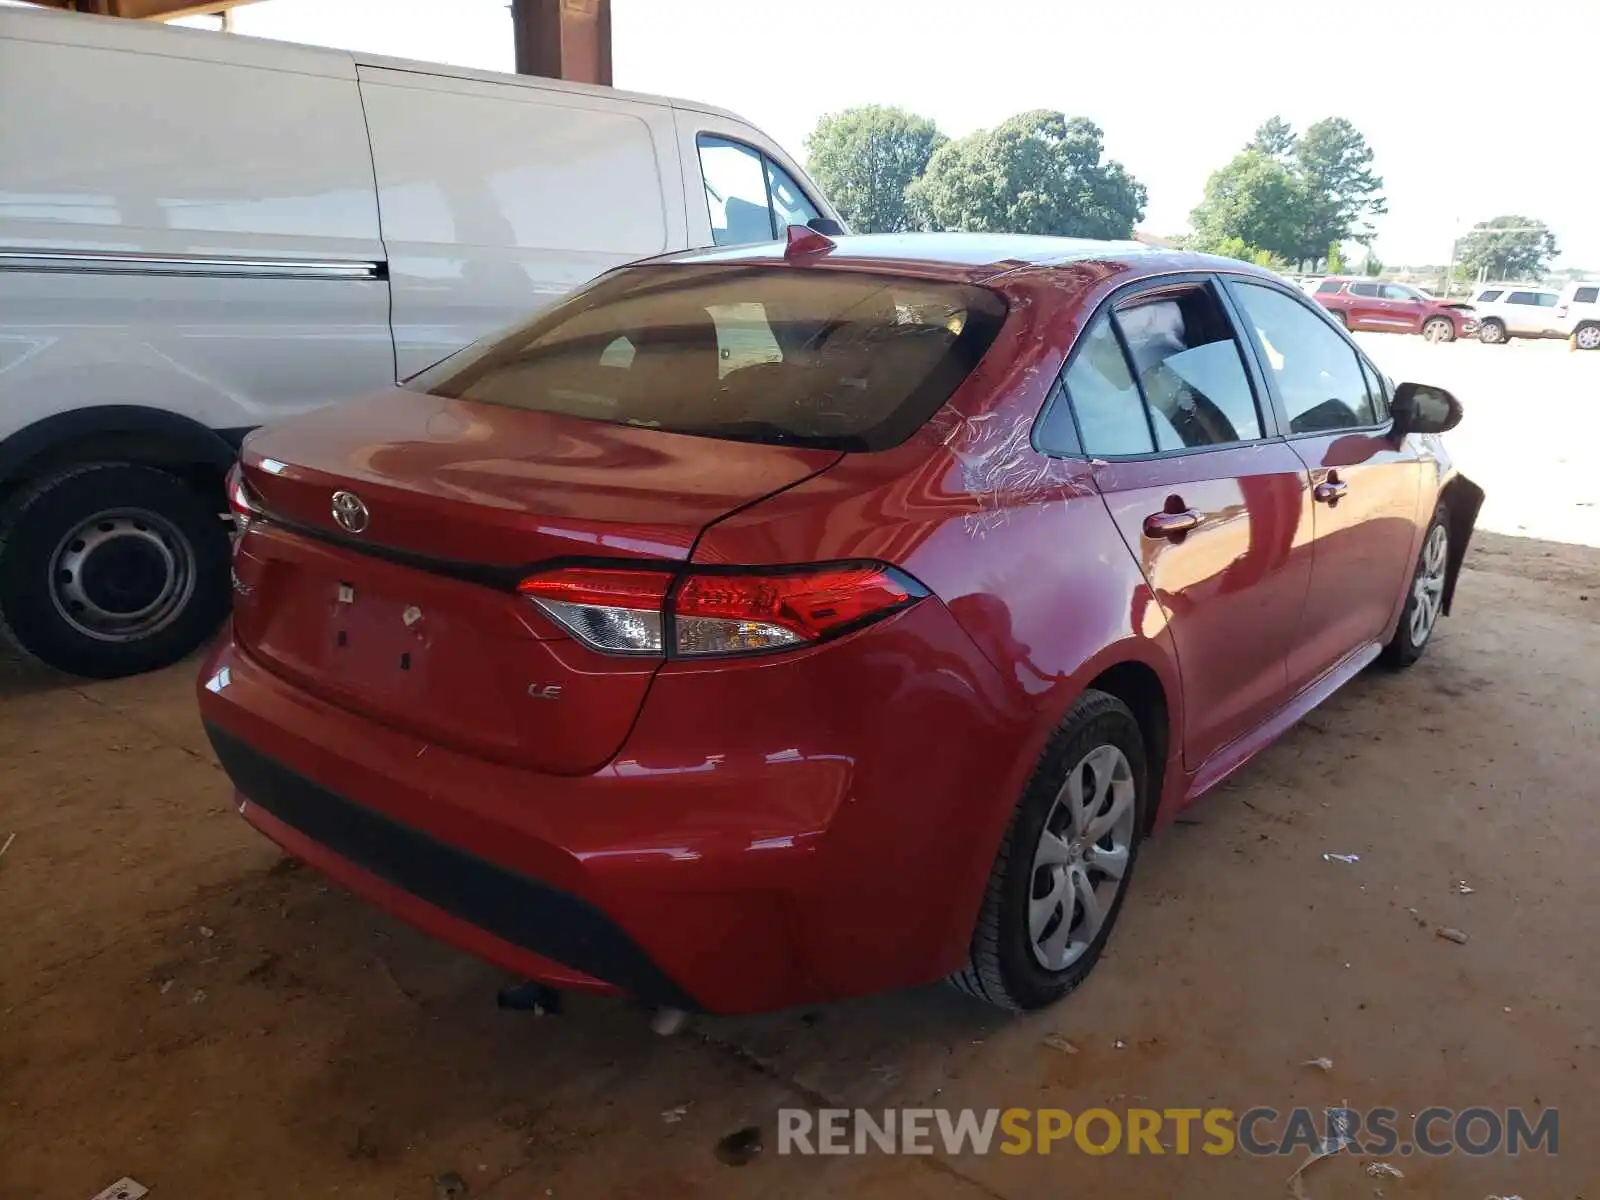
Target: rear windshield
[{"x": 793, "y": 355}]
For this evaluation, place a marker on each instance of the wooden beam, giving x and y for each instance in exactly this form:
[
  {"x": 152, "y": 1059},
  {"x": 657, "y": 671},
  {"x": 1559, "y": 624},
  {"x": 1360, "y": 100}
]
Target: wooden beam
[
  {"x": 563, "y": 39},
  {"x": 145, "y": 10}
]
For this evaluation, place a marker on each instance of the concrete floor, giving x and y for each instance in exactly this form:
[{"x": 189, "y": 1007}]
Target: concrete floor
[{"x": 180, "y": 1005}]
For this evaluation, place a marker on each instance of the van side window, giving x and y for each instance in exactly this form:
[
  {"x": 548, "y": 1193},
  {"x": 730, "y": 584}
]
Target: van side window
[
  {"x": 750, "y": 198},
  {"x": 789, "y": 204}
]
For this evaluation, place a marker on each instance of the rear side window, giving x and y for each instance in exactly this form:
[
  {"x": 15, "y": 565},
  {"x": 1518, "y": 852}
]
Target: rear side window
[
  {"x": 1316, "y": 371},
  {"x": 1490, "y": 296},
  {"x": 1163, "y": 373},
  {"x": 834, "y": 359},
  {"x": 748, "y": 196},
  {"x": 1586, "y": 295},
  {"x": 1190, "y": 371}
]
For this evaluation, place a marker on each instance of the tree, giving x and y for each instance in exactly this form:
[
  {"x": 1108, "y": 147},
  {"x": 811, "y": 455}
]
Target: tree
[
  {"x": 1344, "y": 193},
  {"x": 1274, "y": 138},
  {"x": 1038, "y": 172},
  {"x": 1509, "y": 247},
  {"x": 1255, "y": 200},
  {"x": 1373, "y": 266},
  {"x": 1335, "y": 259},
  {"x": 864, "y": 158}
]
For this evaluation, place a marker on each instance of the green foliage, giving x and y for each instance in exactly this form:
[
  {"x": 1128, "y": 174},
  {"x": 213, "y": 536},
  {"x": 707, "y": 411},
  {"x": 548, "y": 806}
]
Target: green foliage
[
  {"x": 1255, "y": 200},
  {"x": 1038, "y": 172},
  {"x": 864, "y": 159},
  {"x": 1509, "y": 247},
  {"x": 1274, "y": 138},
  {"x": 1344, "y": 192},
  {"x": 1335, "y": 259},
  {"x": 1294, "y": 195},
  {"x": 1233, "y": 247},
  {"x": 1373, "y": 266}
]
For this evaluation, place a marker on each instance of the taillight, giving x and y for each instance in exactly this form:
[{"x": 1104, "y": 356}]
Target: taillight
[
  {"x": 625, "y": 611},
  {"x": 242, "y": 502},
  {"x": 618, "y": 612}
]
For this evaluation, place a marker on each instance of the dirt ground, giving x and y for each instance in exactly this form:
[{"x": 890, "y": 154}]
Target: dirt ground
[{"x": 180, "y": 1004}]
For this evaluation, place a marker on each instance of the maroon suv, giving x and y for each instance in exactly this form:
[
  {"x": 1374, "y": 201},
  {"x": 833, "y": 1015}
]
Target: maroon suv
[{"x": 1394, "y": 308}]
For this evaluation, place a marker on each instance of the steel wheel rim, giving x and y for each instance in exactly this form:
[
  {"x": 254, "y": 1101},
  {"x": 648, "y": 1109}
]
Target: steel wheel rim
[
  {"x": 1081, "y": 859},
  {"x": 1589, "y": 338},
  {"x": 122, "y": 575},
  {"x": 1427, "y": 593}
]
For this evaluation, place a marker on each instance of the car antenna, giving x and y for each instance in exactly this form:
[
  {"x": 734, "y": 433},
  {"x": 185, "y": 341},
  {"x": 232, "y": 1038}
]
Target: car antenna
[{"x": 804, "y": 241}]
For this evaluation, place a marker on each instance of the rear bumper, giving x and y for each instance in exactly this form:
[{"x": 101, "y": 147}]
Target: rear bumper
[
  {"x": 813, "y": 842},
  {"x": 539, "y": 930}
]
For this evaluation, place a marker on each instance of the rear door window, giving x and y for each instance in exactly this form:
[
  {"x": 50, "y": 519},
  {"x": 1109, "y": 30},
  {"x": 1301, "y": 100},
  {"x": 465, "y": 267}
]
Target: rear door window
[
  {"x": 1189, "y": 368},
  {"x": 1163, "y": 373},
  {"x": 814, "y": 357},
  {"x": 1317, "y": 373},
  {"x": 1370, "y": 290},
  {"x": 1523, "y": 298}
]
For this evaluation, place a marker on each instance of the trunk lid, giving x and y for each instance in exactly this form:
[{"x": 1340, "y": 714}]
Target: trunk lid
[{"x": 411, "y": 619}]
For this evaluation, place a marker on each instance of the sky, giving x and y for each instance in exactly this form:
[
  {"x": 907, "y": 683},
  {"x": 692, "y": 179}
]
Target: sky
[{"x": 1473, "y": 108}]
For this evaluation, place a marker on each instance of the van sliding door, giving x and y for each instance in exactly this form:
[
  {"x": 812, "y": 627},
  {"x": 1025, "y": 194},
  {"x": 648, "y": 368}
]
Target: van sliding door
[{"x": 497, "y": 199}]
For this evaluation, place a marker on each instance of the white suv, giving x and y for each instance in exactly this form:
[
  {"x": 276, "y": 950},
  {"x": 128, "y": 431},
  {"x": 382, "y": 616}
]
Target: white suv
[
  {"x": 1578, "y": 314},
  {"x": 1507, "y": 310}
]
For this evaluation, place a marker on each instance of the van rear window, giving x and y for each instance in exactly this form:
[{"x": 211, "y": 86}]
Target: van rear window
[{"x": 799, "y": 356}]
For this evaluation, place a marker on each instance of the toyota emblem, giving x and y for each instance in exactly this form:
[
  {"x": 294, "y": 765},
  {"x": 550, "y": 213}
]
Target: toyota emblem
[{"x": 350, "y": 512}]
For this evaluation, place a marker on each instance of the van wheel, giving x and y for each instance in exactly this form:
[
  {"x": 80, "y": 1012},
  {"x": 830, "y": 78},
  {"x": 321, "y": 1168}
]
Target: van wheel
[
  {"x": 1492, "y": 333},
  {"x": 1062, "y": 870},
  {"x": 1586, "y": 337},
  {"x": 111, "y": 569}
]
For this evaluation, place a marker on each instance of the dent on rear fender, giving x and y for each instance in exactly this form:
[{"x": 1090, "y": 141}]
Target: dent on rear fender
[{"x": 1000, "y": 469}]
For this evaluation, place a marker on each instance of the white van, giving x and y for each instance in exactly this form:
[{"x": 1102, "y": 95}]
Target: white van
[{"x": 201, "y": 232}]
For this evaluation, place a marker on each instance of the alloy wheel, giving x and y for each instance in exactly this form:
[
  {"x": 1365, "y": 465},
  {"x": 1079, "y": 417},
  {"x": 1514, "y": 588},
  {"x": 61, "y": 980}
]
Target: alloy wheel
[
  {"x": 122, "y": 575},
  {"x": 1437, "y": 330},
  {"x": 1428, "y": 591},
  {"x": 1082, "y": 857},
  {"x": 1588, "y": 338}
]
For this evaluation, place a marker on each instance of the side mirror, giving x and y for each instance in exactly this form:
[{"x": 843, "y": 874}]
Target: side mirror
[
  {"x": 827, "y": 226},
  {"x": 1423, "y": 408}
]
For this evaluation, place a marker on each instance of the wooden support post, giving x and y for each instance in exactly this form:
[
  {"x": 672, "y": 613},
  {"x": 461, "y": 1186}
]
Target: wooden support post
[{"x": 563, "y": 39}]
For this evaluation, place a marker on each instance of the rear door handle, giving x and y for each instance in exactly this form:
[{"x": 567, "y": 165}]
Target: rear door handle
[
  {"x": 1330, "y": 490},
  {"x": 1171, "y": 524}
]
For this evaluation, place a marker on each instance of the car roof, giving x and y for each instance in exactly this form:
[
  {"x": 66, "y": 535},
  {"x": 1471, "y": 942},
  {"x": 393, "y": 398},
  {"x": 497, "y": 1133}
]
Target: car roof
[{"x": 967, "y": 257}]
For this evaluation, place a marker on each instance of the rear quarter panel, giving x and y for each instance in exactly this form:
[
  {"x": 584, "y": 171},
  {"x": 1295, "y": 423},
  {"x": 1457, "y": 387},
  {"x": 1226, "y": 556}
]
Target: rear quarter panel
[{"x": 1016, "y": 545}]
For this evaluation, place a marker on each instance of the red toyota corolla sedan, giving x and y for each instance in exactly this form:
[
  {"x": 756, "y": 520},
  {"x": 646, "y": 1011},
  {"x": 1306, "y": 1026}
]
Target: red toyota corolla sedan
[{"x": 772, "y": 624}]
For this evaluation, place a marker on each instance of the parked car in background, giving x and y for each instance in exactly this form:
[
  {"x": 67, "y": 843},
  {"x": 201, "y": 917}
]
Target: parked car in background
[
  {"x": 1508, "y": 310},
  {"x": 738, "y": 680},
  {"x": 1578, "y": 314},
  {"x": 1367, "y": 304},
  {"x": 254, "y": 228}
]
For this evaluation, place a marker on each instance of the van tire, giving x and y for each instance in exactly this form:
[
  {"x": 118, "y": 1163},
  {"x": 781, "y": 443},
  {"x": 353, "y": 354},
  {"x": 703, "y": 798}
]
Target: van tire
[
  {"x": 146, "y": 584},
  {"x": 1492, "y": 333}
]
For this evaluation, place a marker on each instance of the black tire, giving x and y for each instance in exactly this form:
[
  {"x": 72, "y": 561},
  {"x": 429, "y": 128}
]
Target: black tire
[
  {"x": 1446, "y": 332},
  {"x": 1344, "y": 319},
  {"x": 1404, "y": 648},
  {"x": 1002, "y": 968},
  {"x": 154, "y": 513},
  {"x": 1492, "y": 333}
]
